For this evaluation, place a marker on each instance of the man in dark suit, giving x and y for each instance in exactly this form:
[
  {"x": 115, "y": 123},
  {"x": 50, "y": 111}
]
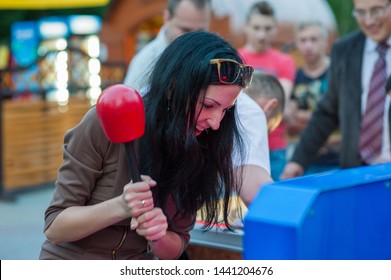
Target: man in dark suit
[{"x": 353, "y": 60}]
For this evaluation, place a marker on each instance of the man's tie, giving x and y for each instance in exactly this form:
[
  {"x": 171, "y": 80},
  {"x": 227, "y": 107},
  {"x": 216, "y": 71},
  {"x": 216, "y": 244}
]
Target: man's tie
[{"x": 372, "y": 122}]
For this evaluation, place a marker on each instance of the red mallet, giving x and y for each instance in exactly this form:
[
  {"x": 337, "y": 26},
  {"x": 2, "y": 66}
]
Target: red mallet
[{"x": 120, "y": 110}]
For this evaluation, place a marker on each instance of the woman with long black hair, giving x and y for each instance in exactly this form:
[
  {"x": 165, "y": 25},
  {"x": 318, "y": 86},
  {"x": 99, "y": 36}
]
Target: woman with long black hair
[{"x": 186, "y": 154}]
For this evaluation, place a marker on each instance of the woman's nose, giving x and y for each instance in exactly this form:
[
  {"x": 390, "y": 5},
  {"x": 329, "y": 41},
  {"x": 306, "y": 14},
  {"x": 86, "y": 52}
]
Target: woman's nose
[{"x": 214, "y": 121}]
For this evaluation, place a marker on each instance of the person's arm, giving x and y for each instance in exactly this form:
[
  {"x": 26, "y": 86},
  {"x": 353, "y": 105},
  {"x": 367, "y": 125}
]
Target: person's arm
[
  {"x": 324, "y": 120},
  {"x": 166, "y": 241},
  {"x": 296, "y": 119},
  {"x": 253, "y": 179},
  {"x": 169, "y": 247},
  {"x": 82, "y": 203},
  {"x": 256, "y": 167},
  {"x": 322, "y": 123},
  {"x": 153, "y": 226},
  {"x": 77, "y": 222},
  {"x": 292, "y": 170}
]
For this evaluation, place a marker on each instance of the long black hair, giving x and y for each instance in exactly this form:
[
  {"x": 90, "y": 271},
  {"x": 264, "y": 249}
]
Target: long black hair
[{"x": 194, "y": 171}]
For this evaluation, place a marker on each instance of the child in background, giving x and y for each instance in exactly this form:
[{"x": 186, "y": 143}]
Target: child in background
[
  {"x": 268, "y": 93},
  {"x": 260, "y": 30}
]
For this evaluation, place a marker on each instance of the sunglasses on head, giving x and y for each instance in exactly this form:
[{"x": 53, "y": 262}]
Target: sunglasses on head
[{"x": 230, "y": 71}]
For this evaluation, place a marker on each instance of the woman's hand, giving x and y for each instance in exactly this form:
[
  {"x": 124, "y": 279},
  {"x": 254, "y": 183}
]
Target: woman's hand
[
  {"x": 137, "y": 197},
  {"x": 152, "y": 224}
]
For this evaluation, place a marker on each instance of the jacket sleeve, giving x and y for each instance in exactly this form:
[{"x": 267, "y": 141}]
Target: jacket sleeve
[{"x": 83, "y": 152}]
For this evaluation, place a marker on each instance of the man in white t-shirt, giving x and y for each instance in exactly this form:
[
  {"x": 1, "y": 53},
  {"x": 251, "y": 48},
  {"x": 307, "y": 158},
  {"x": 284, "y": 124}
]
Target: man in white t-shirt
[{"x": 183, "y": 16}]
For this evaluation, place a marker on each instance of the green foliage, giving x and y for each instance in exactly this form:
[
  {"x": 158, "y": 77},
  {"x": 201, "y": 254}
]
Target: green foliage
[{"x": 343, "y": 13}]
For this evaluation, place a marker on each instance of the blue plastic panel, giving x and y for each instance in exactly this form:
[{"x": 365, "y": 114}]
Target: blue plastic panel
[{"x": 338, "y": 215}]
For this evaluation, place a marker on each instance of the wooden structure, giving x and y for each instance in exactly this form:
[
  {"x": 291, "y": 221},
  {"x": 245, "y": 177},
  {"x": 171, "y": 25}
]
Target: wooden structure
[{"x": 33, "y": 132}]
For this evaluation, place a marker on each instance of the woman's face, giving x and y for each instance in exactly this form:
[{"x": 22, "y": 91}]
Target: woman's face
[{"x": 218, "y": 99}]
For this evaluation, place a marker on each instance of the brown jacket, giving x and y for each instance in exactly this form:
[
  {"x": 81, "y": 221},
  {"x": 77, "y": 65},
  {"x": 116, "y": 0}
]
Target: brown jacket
[{"x": 94, "y": 170}]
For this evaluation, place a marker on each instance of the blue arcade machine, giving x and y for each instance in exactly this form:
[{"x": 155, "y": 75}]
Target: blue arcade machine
[{"x": 340, "y": 215}]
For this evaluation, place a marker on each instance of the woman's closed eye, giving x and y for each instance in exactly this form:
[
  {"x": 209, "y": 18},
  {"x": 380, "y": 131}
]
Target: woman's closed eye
[
  {"x": 216, "y": 109},
  {"x": 208, "y": 106},
  {"x": 211, "y": 106}
]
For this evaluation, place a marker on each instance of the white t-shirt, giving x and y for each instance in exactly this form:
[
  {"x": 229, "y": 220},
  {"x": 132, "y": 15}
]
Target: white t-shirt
[
  {"x": 140, "y": 66},
  {"x": 253, "y": 128}
]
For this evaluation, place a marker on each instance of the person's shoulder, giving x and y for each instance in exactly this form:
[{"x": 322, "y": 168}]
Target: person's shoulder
[
  {"x": 152, "y": 49},
  {"x": 90, "y": 120},
  {"x": 88, "y": 125},
  {"x": 143, "y": 60},
  {"x": 91, "y": 114},
  {"x": 350, "y": 39},
  {"x": 348, "y": 45}
]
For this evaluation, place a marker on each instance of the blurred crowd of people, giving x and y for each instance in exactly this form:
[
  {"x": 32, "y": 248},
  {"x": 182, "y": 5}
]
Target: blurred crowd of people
[{"x": 308, "y": 138}]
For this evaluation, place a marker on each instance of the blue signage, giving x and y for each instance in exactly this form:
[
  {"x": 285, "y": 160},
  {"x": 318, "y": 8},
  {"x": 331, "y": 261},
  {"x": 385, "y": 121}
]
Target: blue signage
[{"x": 24, "y": 42}]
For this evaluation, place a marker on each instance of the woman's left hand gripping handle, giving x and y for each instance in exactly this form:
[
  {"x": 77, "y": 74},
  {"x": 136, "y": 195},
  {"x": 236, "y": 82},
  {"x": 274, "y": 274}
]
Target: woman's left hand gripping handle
[{"x": 138, "y": 198}]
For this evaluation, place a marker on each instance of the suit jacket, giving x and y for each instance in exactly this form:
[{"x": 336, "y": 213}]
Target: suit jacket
[{"x": 339, "y": 107}]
